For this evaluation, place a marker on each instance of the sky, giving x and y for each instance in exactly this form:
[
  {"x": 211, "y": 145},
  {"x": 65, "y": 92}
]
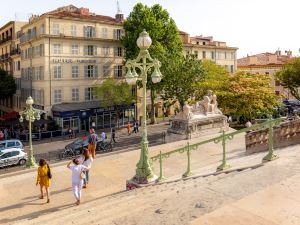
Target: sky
[{"x": 254, "y": 26}]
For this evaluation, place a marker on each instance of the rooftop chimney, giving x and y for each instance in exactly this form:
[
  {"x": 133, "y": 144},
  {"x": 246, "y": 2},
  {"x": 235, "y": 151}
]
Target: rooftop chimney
[
  {"x": 84, "y": 11},
  {"x": 119, "y": 16}
]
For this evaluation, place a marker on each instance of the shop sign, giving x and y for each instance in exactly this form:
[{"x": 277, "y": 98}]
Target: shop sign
[{"x": 74, "y": 60}]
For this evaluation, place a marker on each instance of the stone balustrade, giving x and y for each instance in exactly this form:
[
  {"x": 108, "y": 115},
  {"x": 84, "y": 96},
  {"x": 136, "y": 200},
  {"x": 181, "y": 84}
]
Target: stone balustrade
[{"x": 285, "y": 134}]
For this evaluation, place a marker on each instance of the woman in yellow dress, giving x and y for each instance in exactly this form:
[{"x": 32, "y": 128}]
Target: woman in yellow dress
[{"x": 43, "y": 178}]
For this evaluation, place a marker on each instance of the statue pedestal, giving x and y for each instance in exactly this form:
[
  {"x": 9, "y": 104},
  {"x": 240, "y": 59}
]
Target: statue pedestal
[{"x": 198, "y": 124}]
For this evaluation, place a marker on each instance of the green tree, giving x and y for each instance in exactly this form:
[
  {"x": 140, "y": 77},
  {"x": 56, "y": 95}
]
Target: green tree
[
  {"x": 114, "y": 93},
  {"x": 289, "y": 77},
  {"x": 247, "y": 95},
  {"x": 179, "y": 83},
  {"x": 8, "y": 85},
  {"x": 166, "y": 43}
]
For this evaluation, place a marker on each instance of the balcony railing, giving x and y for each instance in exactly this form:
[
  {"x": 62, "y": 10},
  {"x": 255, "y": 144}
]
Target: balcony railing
[
  {"x": 6, "y": 39},
  {"x": 15, "y": 51}
]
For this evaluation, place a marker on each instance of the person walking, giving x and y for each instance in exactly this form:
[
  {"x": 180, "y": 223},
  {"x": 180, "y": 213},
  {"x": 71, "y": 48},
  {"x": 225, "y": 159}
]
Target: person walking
[
  {"x": 77, "y": 178},
  {"x": 137, "y": 126},
  {"x": 86, "y": 159},
  {"x": 129, "y": 128},
  {"x": 103, "y": 136},
  {"x": 92, "y": 139},
  {"x": 113, "y": 135},
  {"x": 44, "y": 178},
  {"x": 134, "y": 127}
]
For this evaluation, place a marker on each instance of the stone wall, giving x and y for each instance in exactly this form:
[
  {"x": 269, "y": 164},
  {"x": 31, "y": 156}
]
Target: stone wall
[{"x": 287, "y": 133}]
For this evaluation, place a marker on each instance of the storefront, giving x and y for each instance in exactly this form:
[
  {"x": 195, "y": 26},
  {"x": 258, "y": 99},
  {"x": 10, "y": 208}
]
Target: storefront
[{"x": 82, "y": 116}]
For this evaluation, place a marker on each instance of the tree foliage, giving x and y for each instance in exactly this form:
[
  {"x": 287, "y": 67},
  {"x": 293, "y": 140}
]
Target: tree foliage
[
  {"x": 114, "y": 93},
  {"x": 289, "y": 77},
  {"x": 8, "y": 86},
  {"x": 181, "y": 78},
  {"x": 247, "y": 95},
  {"x": 166, "y": 43}
]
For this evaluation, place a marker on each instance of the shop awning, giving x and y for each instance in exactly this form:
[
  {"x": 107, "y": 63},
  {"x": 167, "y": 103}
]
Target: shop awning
[
  {"x": 66, "y": 107},
  {"x": 10, "y": 115}
]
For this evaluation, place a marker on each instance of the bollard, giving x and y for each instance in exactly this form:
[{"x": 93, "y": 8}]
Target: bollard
[
  {"x": 188, "y": 170},
  {"x": 224, "y": 164}
]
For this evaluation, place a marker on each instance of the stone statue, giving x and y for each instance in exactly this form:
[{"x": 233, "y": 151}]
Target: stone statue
[
  {"x": 210, "y": 104},
  {"x": 186, "y": 113}
]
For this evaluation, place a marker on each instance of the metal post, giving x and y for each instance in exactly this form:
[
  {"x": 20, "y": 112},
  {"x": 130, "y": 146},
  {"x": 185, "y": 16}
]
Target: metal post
[
  {"x": 188, "y": 170},
  {"x": 31, "y": 159},
  {"x": 270, "y": 156},
  {"x": 161, "y": 177},
  {"x": 224, "y": 164}
]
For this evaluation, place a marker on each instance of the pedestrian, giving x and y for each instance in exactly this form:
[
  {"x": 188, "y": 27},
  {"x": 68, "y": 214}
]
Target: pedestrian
[
  {"x": 1, "y": 135},
  {"x": 137, "y": 126},
  {"x": 77, "y": 178},
  {"x": 86, "y": 159},
  {"x": 113, "y": 135},
  {"x": 103, "y": 136},
  {"x": 5, "y": 134},
  {"x": 248, "y": 124},
  {"x": 44, "y": 178},
  {"x": 134, "y": 127},
  {"x": 92, "y": 139},
  {"x": 70, "y": 133},
  {"x": 129, "y": 128}
]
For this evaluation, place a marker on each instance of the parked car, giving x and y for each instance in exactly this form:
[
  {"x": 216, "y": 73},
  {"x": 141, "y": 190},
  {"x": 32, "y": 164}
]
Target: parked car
[
  {"x": 12, "y": 143},
  {"x": 12, "y": 156}
]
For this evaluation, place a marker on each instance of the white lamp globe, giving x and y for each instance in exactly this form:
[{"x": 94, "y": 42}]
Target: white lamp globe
[
  {"x": 144, "y": 41},
  {"x": 29, "y": 101}
]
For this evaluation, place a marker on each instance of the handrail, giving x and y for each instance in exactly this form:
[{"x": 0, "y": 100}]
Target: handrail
[{"x": 222, "y": 138}]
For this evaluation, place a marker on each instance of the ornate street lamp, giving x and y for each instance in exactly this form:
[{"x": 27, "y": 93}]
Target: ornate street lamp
[
  {"x": 144, "y": 62},
  {"x": 30, "y": 114}
]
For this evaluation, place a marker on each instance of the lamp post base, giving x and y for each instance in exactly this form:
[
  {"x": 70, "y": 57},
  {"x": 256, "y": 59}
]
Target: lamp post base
[
  {"x": 139, "y": 183},
  {"x": 270, "y": 157},
  {"x": 31, "y": 164},
  {"x": 223, "y": 166}
]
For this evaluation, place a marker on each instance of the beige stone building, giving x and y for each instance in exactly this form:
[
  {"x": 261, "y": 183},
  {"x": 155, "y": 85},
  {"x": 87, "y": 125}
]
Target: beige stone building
[
  {"x": 207, "y": 48},
  {"x": 64, "y": 53},
  {"x": 10, "y": 61},
  {"x": 267, "y": 63}
]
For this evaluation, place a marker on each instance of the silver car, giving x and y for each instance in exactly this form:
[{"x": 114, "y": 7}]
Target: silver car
[
  {"x": 12, "y": 156},
  {"x": 12, "y": 143}
]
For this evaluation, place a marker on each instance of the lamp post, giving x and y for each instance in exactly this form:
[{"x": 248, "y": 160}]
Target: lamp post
[
  {"x": 144, "y": 63},
  {"x": 30, "y": 114}
]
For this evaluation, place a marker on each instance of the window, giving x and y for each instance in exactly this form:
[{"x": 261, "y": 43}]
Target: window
[
  {"x": 15, "y": 153},
  {"x": 232, "y": 55},
  {"x": 55, "y": 29},
  {"x": 57, "y": 96},
  {"x": 204, "y": 55},
  {"x": 88, "y": 93},
  {"x": 10, "y": 144},
  {"x": 39, "y": 72},
  {"x": 196, "y": 54},
  {"x": 104, "y": 32},
  {"x": 6, "y": 155},
  {"x": 267, "y": 73},
  {"x": 106, "y": 71},
  {"x": 41, "y": 49},
  {"x": 118, "y": 34},
  {"x": 105, "y": 51},
  {"x": 74, "y": 49},
  {"x": 18, "y": 65},
  {"x": 42, "y": 29},
  {"x": 57, "y": 71},
  {"x": 118, "y": 71},
  {"x": 90, "y": 50},
  {"x": 118, "y": 51},
  {"x": 90, "y": 71},
  {"x": 231, "y": 68},
  {"x": 56, "y": 49},
  {"x": 73, "y": 30},
  {"x": 225, "y": 55},
  {"x": 75, "y": 94},
  {"x": 203, "y": 43},
  {"x": 89, "y": 31},
  {"x": 75, "y": 72},
  {"x": 212, "y": 55},
  {"x": 219, "y": 55}
]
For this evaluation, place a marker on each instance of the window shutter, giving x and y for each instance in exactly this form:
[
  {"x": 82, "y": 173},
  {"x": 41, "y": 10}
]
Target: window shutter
[
  {"x": 85, "y": 50},
  {"x": 115, "y": 71},
  {"x": 122, "y": 32},
  {"x": 115, "y": 34},
  {"x": 115, "y": 51},
  {"x": 95, "y": 71},
  {"x": 93, "y": 32},
  {"x": 85, "y": 71},
  {"x": 95, "y": 50}
]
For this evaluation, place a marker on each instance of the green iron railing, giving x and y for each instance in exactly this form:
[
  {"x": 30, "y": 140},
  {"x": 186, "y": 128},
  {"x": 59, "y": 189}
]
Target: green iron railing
[{"x": 222, "y": 138}]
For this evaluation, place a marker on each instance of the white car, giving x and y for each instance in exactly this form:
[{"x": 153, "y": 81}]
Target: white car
[{"x": 12, "y": 156}]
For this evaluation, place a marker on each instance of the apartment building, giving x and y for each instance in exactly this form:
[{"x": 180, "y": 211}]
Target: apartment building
[
  {"x": 10, "y": 61},
  {"x": 267, "y": 63},
  {"x": 64, "y": 53},
  {"x": 207, "y": 48}
]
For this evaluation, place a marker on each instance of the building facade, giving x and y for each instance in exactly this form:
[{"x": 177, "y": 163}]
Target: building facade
[
  {"x": 207, "y": 48},
  {"x": 10, "y": 61},
  {"x": 64, "y": 54},
  {"x": 267, "y": 63}
]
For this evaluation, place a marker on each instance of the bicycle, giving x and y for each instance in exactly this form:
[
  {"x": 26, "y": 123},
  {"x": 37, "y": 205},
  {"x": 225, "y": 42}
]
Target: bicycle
[
  {"x": 105, "y": 146},
  {"x": 68, "y": 153}
]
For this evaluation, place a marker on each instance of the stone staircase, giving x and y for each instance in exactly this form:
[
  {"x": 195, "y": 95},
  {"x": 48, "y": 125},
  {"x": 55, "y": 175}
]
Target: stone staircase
[{"x": 134, "y": 207}]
